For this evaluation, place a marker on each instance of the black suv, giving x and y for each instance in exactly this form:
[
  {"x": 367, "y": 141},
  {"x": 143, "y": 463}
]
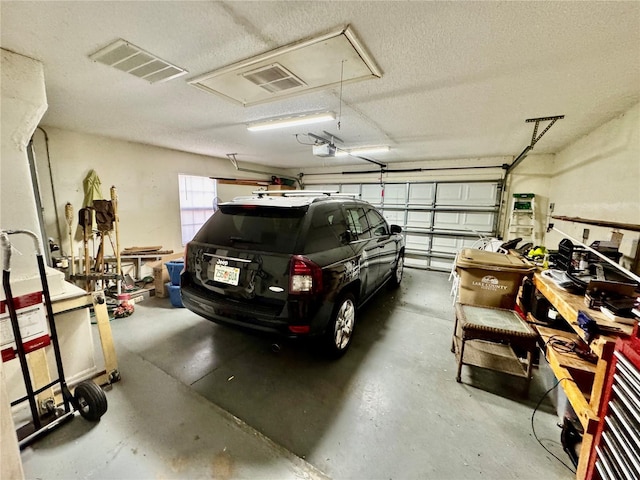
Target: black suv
[{"x": 296, "y": 264}]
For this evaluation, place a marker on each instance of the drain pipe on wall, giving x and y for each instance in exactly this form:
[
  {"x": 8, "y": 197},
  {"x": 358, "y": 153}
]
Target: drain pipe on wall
[
  {"x": 53, "y": 189},
  {"x": 38, "y": 199}
]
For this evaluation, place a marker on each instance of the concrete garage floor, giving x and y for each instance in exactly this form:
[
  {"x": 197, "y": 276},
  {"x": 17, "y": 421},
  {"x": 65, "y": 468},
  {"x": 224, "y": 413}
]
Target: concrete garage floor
[{"x": 389, "y": 409}]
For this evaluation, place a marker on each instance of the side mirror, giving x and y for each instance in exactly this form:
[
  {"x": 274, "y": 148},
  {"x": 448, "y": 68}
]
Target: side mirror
[{"x": 395, "y": 229}]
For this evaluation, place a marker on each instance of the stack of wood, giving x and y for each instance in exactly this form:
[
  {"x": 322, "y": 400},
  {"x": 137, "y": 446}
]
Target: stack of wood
[{"x": 152, "y": 250}]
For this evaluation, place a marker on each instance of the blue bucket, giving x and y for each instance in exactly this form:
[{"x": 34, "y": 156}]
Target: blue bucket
[
  {"x": 174, "y": 295},
  {"x": 174, "y": 269}
]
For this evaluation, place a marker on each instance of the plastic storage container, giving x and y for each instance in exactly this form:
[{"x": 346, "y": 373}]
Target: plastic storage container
[
  {"x": 490, "y": 279},
  {"x": 174, "y": 269},
  {"x": 174, "y": 295}
]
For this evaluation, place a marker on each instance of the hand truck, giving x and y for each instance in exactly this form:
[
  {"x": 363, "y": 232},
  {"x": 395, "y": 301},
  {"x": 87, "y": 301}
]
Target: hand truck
[{"x": 88, "y": 398}]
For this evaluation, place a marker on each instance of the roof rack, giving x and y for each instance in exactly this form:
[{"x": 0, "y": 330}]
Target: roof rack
[{"x": 303, "y": 193}]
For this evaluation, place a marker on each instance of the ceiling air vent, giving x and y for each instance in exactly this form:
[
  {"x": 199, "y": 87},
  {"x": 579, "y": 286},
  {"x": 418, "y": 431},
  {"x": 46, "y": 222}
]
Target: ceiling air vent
[
  {"x": 131, "y": 59},
  {"x": 319, "y": 63},
  {"x": 274, "y": 78}
]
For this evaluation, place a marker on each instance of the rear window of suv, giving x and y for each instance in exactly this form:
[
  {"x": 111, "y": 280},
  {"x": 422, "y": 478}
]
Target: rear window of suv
[{"x": 253, "y": 227}]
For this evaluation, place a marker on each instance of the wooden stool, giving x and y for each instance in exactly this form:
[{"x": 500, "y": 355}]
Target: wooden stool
[{"x": 492, "y": 334}]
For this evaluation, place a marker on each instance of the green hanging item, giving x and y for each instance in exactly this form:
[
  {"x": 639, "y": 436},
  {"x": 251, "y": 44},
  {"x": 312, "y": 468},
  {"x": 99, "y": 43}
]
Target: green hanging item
[{"x": 92, "y": 189}]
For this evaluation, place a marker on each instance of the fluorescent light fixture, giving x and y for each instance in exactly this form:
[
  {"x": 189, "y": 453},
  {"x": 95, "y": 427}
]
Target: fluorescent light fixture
[
  {"x": 362, "y": 151},
  {"x": 291, "y": 121}
]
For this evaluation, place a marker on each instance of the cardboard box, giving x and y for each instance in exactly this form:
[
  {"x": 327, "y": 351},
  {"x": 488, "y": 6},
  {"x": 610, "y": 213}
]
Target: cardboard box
[
  {"x": 490, "y": 279},
  {"x": 161, "y": 274}
]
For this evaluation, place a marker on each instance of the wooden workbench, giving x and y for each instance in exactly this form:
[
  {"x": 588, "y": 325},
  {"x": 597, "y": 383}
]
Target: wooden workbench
[
  {"x": 582, "y": 381},
  {"x": 137, "y": 260}
]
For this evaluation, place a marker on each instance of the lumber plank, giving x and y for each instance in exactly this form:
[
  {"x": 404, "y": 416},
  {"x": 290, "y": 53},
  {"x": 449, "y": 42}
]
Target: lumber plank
[{"x": 634, "y": 227}]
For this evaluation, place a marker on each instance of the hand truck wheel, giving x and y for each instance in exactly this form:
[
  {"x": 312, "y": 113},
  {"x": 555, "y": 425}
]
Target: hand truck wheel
[{"x": 91, "y": 401}]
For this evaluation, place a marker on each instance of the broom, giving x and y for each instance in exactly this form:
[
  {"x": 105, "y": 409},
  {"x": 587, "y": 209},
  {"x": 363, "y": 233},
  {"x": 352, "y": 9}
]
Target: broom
[
  {"x": 114, "y": 201},
  {"x": 68, "y": 213}
]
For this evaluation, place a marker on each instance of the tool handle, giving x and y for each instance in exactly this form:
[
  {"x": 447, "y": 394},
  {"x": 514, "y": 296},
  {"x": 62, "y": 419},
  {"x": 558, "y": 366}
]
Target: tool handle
[{"x": 68, "y": 213}]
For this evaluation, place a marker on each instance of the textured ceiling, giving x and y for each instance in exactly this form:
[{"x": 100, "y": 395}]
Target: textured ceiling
[{"x": 458, "y": 78}]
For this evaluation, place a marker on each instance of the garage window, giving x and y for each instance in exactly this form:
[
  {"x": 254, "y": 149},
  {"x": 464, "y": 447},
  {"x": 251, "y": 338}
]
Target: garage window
[{"x": 197, "y": 203}]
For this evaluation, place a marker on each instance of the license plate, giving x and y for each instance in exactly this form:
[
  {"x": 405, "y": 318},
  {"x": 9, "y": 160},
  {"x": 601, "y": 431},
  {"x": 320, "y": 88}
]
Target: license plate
[{"x": 228, "y": 275}]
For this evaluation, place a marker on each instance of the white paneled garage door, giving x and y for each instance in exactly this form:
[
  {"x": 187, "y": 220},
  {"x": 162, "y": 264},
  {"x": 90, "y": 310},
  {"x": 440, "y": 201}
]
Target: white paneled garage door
[{"x": 437, "y": 218}]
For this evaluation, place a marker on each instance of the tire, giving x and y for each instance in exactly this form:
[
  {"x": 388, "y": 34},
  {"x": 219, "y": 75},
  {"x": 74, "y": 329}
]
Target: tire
[
  {"x": 91, "y": 401},
  {"x": 396, "y": 275},
  {"x": 340, "y": 329}
]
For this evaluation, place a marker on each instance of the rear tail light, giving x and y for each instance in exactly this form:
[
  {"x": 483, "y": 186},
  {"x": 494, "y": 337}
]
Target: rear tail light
[{"x": 304, "y": 276}]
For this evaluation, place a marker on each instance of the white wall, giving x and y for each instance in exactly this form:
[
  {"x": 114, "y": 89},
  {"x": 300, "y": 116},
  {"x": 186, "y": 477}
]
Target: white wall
[
  {"x": 598, "y": 178},
  {"x": 146, "y": 179},
  {"x": 23, "y": 104}
]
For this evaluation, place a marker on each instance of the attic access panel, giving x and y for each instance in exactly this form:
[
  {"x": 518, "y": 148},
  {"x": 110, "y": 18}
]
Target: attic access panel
[{"x": 301, "y": 67}]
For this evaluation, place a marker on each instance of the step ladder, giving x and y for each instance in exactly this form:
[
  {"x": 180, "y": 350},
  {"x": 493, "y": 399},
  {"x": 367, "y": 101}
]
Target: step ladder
[{"x": 522, "y": 221}]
